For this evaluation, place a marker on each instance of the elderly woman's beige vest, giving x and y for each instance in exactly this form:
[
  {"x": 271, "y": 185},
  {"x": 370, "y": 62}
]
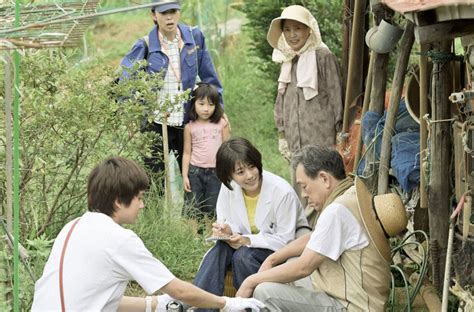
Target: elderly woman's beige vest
[{"x": 359, "y": 279}]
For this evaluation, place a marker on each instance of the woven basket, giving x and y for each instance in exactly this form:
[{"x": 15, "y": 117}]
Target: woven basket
[{"x": 229, "y": 290}]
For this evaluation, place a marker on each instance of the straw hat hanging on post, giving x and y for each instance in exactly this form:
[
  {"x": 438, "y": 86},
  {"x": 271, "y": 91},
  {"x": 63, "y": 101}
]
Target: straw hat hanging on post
[{"x": 384, "y": 216}]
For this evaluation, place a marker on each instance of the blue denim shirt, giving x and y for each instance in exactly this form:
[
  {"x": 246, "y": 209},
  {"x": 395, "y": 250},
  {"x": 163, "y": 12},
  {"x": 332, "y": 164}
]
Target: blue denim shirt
[{"x": 195, "y": 60}]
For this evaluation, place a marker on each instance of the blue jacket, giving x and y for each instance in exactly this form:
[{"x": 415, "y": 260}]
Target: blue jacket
[{"x": 195, "y": 60}]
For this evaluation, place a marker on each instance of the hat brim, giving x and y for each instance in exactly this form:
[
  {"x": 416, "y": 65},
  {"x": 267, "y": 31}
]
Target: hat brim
[
  {"x": 372, "y": 225},
  {"x": 293, "y": 12},
  {"x": 274, "y": 32},
  {"x": 166, "y": 7}
]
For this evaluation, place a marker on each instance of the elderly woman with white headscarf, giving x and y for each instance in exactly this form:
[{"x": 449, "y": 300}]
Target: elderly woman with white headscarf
[{"x": 308, "y": 107}]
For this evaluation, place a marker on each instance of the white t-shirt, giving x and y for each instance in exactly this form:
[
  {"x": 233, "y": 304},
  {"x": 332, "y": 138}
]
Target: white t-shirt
[
  {"x": 336, "y": 231},
  {"x": 100, "y": 259}
]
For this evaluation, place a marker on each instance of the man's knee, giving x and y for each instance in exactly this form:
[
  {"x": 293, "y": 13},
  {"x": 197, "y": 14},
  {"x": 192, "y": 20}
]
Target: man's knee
[{"x": 264, "y": 291}]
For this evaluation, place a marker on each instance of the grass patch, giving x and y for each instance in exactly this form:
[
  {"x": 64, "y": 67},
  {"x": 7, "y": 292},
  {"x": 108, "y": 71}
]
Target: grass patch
[{"x": 249, "y": 101}]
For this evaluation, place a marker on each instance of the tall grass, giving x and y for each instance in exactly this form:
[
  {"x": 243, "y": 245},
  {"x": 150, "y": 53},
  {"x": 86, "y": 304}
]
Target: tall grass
[
  {"x": 249, "y": 102},
  {"x": 171, "y": 239}
]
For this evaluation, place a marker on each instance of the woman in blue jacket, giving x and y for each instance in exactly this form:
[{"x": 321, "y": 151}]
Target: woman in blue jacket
[{"x": 180, "y": 52}]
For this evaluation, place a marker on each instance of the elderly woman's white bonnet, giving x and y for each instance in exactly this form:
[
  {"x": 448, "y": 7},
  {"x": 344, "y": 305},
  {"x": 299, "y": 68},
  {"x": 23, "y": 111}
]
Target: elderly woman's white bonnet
[{"x": 296, "y": 13}]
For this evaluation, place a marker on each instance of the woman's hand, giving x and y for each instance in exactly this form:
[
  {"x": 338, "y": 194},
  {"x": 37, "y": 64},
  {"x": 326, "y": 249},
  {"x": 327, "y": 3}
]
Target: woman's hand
[
  {"x": 236, "y": 241},
  {"x": 227, "y": 120},
  {"x": 221, "y": 229},
  {"x": 186, "y": 184},
  {"x": 284, "y": 149}
]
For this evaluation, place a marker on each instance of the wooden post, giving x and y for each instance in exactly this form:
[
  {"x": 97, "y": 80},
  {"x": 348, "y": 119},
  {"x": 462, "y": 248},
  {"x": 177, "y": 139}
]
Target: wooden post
[
  {"x": 377, "y": 94},
  {"x": 423, "y": 130},
  {"x": 365, "y": 107},
  {"x": 397, "y": 86},
  {"x": 439, "y": 193},
  {"x": 356, "y": 64},
  {"x": 346, "y": 38}
]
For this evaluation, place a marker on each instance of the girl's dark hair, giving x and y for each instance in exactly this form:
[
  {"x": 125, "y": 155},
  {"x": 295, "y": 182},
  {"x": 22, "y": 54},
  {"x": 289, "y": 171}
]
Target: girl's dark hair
[
  {"x": 117, "y": 178},
  {"x": 209, "y": 92},
  {"x": 230, "y": 153}
]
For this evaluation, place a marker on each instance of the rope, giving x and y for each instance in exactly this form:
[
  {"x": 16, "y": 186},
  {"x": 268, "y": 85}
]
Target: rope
[
  {"x": 429, "y": 121},
  {"x": 442, "y": 57}
]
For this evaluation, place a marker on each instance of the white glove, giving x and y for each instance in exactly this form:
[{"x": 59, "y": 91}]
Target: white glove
[
  {"x": 239, "y": 304},
  {"x": 163, "y": 301},
  {"x": 284, "y": 149}
]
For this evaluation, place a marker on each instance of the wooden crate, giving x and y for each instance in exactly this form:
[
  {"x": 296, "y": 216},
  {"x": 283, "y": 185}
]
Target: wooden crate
[{"x": 229, "y": 290}]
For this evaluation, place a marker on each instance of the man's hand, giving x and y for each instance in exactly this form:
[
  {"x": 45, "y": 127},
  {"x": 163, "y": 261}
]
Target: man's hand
[
  {"x": 163, "y": 301},
  {"x": 284, "y": 149},
  {"x": 236, "y": 241},
  {"x": 239, "y": 304},
  {"x": 247, "y": 288},
  {"x": 267, "y": 264}
]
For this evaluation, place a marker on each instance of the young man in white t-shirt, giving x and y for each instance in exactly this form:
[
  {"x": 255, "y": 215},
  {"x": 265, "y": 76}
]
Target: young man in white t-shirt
[{"x": 94, "y": 257}]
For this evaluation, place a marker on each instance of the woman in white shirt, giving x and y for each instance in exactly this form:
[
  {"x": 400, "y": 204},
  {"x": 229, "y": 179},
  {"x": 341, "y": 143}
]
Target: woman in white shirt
[{"x": 258, "y": 212}]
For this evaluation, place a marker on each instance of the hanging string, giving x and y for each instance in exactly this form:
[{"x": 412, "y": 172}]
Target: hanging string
[{"x": 442, "y": 57}]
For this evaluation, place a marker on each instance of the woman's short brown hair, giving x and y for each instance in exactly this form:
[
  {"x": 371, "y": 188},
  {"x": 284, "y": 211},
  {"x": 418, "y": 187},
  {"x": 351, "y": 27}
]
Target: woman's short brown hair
[
  {"x": 117, "y": 178},
  {"x": 233, "y": 151}
]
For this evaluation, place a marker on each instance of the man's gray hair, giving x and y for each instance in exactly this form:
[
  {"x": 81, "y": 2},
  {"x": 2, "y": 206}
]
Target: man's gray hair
[{"x": 315, "y": 158}]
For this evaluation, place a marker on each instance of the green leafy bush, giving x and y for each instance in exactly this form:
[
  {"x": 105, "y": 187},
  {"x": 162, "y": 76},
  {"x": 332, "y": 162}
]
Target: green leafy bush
[{"x": 72, "y": 117}]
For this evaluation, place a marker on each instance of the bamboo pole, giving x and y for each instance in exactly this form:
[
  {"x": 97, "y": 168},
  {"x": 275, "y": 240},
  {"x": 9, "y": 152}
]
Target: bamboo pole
[
  {"x": 447, "y": 270},
  {"x": 16, "y": 172},
  {"x": 365, "y": 107},
  {"x": 397, "y": 86},
  {"x": 8, "y": 82},
  {"x": 166, "y": 162},
  {"x": 355, "y": 71},
  {"x": 423, "y": 129}
]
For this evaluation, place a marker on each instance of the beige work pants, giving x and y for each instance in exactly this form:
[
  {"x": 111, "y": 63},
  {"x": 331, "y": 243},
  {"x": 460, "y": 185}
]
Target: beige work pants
[{"x": 288, "y": 298}]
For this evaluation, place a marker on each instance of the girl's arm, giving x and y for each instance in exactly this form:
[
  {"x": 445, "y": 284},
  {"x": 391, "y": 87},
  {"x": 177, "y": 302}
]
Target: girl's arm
[
  {"x": 187, "y": 149},
  {"x": 226, "y": 131}
]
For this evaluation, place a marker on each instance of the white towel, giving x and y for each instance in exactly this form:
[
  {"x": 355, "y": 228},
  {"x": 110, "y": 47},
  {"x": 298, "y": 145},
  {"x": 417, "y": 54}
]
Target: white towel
[{"x": 306, "y": 75}]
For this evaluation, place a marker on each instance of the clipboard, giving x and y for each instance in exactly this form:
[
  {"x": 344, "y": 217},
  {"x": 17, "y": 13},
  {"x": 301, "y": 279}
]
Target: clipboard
[{"x": 217, "y": 238}]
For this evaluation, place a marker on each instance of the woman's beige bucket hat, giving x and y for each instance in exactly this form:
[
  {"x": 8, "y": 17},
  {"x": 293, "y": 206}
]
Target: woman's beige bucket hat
[
  {"x": 296, "y": 13},
  {"x": 384, "y": 216}
]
